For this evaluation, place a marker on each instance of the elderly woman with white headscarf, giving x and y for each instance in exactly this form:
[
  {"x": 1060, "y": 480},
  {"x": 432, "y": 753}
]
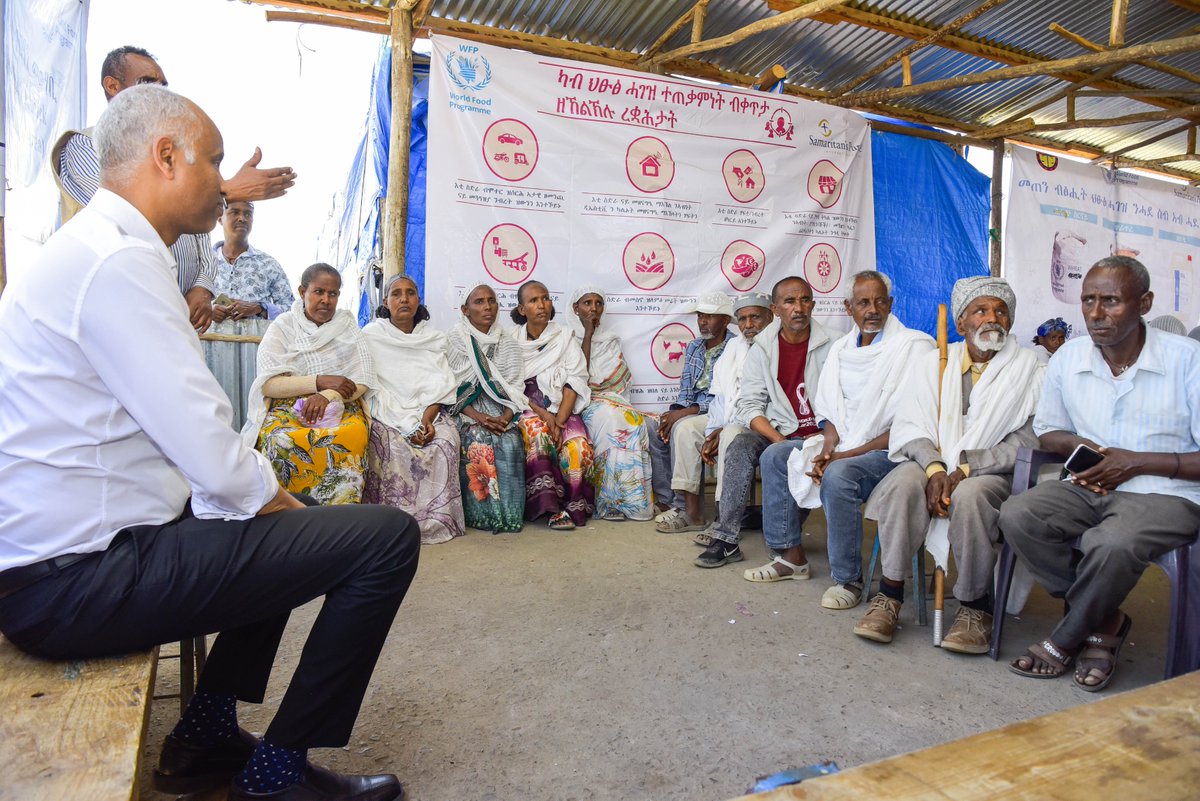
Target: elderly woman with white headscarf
[
  {"x": 304, "y": 410},
  {"x": 558, "y": 454},
  {"x": 489, "y": 371},
  {"x": 619, "y": 434},
  {"x": 412, "y": 454}
]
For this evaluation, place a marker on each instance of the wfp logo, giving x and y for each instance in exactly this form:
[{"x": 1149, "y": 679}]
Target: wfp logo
[{"x": 469, "y": 73}]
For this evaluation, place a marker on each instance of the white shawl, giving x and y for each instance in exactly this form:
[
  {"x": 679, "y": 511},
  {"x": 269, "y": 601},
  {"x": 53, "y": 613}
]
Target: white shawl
[
  {"x": 555, "y": 360},
  {"x": 605, "y": 358},
  {"x": 488, "y": 375},
  {"x": 295, "y": 345},
  {"x": 727, "y": 374},
  {"x": 886, "y": 363},
  {"x": 1005, "y": 397},
  {"x": 411, "y": 371}
]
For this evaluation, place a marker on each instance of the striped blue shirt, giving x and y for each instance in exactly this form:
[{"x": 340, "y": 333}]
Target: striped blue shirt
[
  {"x": 1153, "y": 408},
  {"x": 695, "y": 376},
  {"x": 79, "y": 170}
]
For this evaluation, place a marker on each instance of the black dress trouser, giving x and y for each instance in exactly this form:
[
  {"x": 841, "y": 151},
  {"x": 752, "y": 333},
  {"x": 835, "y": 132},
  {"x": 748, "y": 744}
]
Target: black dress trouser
[{"x": 242, "y": 578}]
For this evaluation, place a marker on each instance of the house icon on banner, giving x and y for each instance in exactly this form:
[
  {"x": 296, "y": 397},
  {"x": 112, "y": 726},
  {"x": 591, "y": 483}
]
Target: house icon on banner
[{"x": 650, "y": 166}]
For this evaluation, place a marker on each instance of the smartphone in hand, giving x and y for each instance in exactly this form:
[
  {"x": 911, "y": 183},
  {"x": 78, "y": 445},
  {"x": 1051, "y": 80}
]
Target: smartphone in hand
[{"x": 1082, "y": 458}]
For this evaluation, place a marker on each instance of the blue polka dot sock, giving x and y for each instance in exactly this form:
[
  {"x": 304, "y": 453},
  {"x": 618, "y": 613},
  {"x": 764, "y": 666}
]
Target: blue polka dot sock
[
  {"x": 272, "y": 768},
  {"x": 209, "y": 719}
]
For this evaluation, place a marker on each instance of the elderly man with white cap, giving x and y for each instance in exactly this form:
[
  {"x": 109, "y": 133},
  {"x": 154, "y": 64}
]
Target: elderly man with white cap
[
  {"x": 778, "y": 380},
  {"x": 675, "y": 452},
  {"x": 956, "y": 442}
]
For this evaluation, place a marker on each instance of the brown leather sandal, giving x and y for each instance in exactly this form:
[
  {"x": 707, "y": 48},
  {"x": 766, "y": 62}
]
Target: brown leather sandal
[
  {"x": 1100, "y": 652},
  {"x": 1044, "y": 652}
]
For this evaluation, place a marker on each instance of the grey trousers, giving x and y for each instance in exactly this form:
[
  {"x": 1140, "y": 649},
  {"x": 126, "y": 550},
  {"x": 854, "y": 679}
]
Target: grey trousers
[
  {"x": 898, "y": 503},
  {"x": 1120, "y": 534}
]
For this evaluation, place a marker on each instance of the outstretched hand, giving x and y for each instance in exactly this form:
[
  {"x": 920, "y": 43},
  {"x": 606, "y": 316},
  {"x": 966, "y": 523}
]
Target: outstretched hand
[{"x": 251, "y": 183}]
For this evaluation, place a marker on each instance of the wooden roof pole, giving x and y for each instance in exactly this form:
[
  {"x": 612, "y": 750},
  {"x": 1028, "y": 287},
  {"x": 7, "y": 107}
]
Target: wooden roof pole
[
  {"x": 698, "y": 13},
  {"x": 1116, "y": 30},
  {"x": 395, "y": 217},
  {"x": 672, "y": 29},
  {"x": 786, "y": 18},
  {"x": 995, "y": 229},
  {"x": 1124, "y": 55},
  {"x": 330, "y": 21},
  {"x": 1143, "y": 143},
  {"x": 1028, "y": 126},
  {"x": 1099, "y": 48},
  {"x": 933, "y": 38}
]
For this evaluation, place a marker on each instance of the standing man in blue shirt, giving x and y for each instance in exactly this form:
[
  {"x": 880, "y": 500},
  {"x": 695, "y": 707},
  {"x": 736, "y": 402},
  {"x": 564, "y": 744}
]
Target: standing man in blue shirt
[{"x": 1132, "y": 393}]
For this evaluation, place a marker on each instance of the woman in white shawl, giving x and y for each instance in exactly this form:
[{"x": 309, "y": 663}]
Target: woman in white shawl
[
  {"x": 558, "y": 455},
  {"x": 304, "y": 411},
  {"x": 488, "y": 371},
  {"x": 619, "y": 434},
  {"x": 412, "y": 455}
]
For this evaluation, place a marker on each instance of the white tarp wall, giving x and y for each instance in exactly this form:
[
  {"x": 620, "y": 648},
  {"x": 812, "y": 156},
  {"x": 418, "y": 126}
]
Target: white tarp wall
[
  {"x": 654, "y": 187},
  {"x": 1063, "y": 216}
]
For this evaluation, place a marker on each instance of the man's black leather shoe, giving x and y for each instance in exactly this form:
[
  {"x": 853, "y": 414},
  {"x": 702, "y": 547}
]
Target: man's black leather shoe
[
  {"x": 318, "y": 784},
  {"x": 184, "y": 768}
]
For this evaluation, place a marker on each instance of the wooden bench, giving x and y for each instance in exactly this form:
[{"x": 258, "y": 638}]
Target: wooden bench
[
  {"x": 72, "y": 731},
  {"x": 1137, "y": 746}
]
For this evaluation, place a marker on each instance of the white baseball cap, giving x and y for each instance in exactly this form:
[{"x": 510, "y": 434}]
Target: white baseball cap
[{"x": 712, "y": 303}]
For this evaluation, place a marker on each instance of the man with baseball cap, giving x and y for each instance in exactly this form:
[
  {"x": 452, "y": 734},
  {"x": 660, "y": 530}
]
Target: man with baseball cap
[
  {"x": 675, "y": 452},
  {"x": 779, "y": 377},
  {"x": 956, "y": 441}
]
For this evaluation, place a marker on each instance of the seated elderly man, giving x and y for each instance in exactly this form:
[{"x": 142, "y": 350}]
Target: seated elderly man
[
  {"x": 132, "y": 515},
  {"x": 675, "y": 451},
  {"x": 1133, "y": 394},
  {"x": 781, "y": 371},
  {"x": 956, "y": 441},
  {"x": 855, "y": 403},
  {"x": 752, "y": 312}
]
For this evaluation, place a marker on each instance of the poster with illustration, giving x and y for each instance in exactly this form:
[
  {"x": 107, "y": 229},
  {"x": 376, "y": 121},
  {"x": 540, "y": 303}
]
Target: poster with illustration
[
  {"x": 657, "y": 188},
  {"x": 1063, "y": 216}
]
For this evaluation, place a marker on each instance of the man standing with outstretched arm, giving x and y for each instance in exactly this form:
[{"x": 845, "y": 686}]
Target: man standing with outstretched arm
[
  {"x": 132, "y": 515},
  {"x": 1132, "y": 393}
]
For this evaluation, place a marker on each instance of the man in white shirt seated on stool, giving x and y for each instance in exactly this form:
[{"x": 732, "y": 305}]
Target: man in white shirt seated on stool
[{"x": 132, "y": 515}]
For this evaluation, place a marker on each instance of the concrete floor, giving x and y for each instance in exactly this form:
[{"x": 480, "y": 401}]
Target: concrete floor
[{"x": 601, "y": 664}]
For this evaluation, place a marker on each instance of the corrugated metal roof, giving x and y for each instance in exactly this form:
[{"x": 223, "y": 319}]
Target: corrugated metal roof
[{"x": 829, "y": 54}]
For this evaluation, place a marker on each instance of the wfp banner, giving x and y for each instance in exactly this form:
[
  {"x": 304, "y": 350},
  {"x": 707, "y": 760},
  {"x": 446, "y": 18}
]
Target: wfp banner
[
  {"x": 1064, "y": 216},
  {"x": 656, "y": 188}
]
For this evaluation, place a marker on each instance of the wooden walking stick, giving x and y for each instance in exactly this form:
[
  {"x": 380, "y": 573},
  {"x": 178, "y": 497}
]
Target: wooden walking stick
[{"x": 939, "y": 575}]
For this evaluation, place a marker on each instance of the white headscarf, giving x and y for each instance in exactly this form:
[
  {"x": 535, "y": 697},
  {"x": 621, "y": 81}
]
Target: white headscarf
[
  {"x": 295, "y": 345},
  {"x": 606, "y": 345},
  {"x": 489, "y": 375},
  {"x": 412, "y": 373},
  {"x": 555, "y": 360}
]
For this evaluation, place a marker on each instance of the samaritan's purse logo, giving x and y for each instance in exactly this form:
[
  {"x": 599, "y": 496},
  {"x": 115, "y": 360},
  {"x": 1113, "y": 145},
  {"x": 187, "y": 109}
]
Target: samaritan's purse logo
[
  {"x": 1047, "y": 162},
  {"x": 468, "y": 73}
]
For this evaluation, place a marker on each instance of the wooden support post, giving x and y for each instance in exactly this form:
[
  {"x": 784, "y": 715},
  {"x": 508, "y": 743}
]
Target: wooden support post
[
  {"x": 995, "y": 234},
  {"x": 771, "y": 78},
  {"x": 698, "y": 14},
  {"x": 1191, "y": 139},
  {"x": 396, "y": 209},
  {"x": 1071, "y": 107},
  {"x": 1116, "y": 30},
  {"x": 1125, "y": 55},
  {"x": 420, "y": 12},
  {"x": 906, "y": 71},
  {"x": 769, "y": 23}
]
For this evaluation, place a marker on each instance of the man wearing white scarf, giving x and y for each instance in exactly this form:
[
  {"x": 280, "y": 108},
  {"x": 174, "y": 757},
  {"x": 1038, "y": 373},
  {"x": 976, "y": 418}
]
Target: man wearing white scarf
[
  {"x": 956, "y": 444},
  {"x": 855, "y": 404},
  {"x": 781, "y": 371}
]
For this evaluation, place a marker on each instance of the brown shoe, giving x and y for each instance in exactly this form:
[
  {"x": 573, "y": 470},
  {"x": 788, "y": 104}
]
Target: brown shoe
[
  {"x": 971, "y": 632},
  {"x": 879, "y": 623}
]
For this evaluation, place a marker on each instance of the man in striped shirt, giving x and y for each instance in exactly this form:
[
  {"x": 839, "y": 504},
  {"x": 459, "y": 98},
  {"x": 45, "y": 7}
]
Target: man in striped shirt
[{"x": 77, "y": 171}]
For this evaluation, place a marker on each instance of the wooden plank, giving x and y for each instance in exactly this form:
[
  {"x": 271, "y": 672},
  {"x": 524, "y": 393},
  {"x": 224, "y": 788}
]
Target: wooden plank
[
  {"x": 72, "y": 730},
  {"x": 1135, "y": 746},
  {"x": 395, "y": 217},
  {"x": 329, "y": 21}
]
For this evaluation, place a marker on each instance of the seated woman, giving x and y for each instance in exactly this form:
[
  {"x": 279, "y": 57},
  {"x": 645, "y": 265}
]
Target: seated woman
[
  {"x": 488, "y": 370},
  {"x": 304, "y": 412},
  {"x": 619, "y": 433},
  {"x": 412, "y": 455},
  {"x": 558, "y": 456}
]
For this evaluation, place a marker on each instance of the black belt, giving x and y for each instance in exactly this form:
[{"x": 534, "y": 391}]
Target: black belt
[{"x": 18, "y": 578}]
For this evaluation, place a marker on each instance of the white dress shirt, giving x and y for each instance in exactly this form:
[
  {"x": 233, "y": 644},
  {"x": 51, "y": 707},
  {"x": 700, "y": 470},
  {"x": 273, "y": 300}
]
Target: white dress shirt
[
  {"x": 1154, "y": 407},
  {"x": 109, "y": 417}
]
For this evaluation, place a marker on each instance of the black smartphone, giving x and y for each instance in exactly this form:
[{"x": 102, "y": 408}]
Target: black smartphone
[{"x": 1082, "y": 458}]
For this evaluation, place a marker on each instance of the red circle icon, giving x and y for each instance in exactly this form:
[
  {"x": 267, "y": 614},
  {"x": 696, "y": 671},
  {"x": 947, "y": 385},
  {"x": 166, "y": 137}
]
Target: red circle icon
[
  {"x": 742, "y": 264},
  {"x": 667, "y": 347},
  {"x": 823, "y": 268},
  {"x": 825, "y": 183},
  {"x": 509, "y": 253},
  {"x": 743, "y": 174},
  {"x": 510, "y": 150},
  {"x": 649, "y": 165},
  {"x": 648, "y": 260}
]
